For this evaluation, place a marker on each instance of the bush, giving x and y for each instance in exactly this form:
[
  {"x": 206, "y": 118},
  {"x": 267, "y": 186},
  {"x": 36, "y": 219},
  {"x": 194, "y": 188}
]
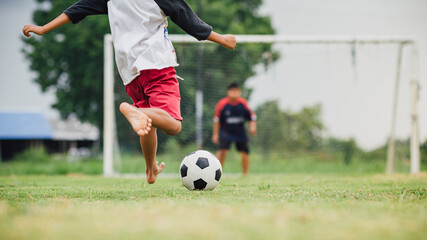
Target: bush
[
  {"x": 38, "y": 161},
  {"x": 33, "y": 155}
]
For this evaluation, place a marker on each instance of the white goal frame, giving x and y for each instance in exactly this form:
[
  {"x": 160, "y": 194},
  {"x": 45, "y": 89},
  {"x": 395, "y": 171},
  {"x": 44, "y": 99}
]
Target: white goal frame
[{"x": 402, "y": 41}]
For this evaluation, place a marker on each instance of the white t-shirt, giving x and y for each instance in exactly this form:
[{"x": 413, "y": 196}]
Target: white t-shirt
[
  {"x": 139, "y": 45},
  {"x": 139, "y": 30}
]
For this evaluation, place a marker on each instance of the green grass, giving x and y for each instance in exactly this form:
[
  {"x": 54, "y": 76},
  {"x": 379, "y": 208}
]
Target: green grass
[
  {"x": 61, "y": 165},
  {"x": 260, "y": 206},
  {"x": 38, "y": 161},
  {"x": 294, "y": 164}
]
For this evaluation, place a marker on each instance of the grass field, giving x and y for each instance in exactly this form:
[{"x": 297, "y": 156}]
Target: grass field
[
  {"x": 39, "y": 162},
  {"x": 260, "y": 206}
]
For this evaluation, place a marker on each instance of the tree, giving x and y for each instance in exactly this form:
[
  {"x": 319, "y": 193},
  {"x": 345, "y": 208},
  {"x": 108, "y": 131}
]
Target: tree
[
  {"x": 272, "y": 130},
  {"x": 348, "y": 147},
  {"x": 69, "y": 60},
  {"x": 423, "y": 152},
  {"x": 287, "y": 131},
  {"x": 307, "y": 128}
]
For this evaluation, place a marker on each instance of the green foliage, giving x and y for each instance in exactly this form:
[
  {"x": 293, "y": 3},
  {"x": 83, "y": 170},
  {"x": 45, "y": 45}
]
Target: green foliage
[
  {"x": 271, "y": 128},
  {"x": 320, "y": 161},
  {"x": 69, "y": 61},
  {"x": 33, "y": 155},
  {"x": 38, "y": 161},
  {"x": 288, "y": 131},
  {"x": 210, "y": 68},
  {"x": 347, "y": 147},
  {"x": 423, "y": 152},
  {"x": 231, "y": 16}
]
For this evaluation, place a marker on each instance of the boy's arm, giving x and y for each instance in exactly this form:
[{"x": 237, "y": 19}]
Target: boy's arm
[
  {"x": 216, "y": 126},
  {"x": 40, "y": 30},
  {"x": 215, "y": 134},
  {"x": 228, "y": 41},
  {"x": 75, "y": 14},
  {"x": 252, "y": 127},
  {"x": 249, "y": 116},
  {"x": 183, "y": 16}
]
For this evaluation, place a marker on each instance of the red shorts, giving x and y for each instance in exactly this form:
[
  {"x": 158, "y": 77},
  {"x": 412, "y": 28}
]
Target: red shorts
[{"x": 156, "y": 89}]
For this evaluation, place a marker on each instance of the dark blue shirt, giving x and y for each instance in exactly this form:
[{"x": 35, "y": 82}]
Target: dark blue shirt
[{"x": 232, "y": 117}]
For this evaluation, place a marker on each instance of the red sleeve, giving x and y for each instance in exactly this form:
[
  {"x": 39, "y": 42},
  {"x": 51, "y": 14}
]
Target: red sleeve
[
  {"x": 219, "y": 106},
  {"x": 252, "y": 115}
]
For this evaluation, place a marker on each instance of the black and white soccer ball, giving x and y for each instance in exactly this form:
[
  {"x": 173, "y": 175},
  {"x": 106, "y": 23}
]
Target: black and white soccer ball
[{"x": 200, "y": 170}]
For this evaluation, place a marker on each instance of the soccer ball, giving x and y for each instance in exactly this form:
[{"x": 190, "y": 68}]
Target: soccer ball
[{"x": 200, "y": 170}]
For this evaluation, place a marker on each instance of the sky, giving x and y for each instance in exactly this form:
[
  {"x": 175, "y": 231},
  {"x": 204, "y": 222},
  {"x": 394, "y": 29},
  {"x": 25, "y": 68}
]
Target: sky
[
  {"x": 356, "y": 98},
  {"x": 17, "y": 90}
]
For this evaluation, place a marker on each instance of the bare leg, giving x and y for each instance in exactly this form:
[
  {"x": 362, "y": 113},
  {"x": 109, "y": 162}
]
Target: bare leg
[
  {"x": 145, "y": 122},
  {"x": 142, "y": 119},
  {"x": 149, "y": 148},
  {"x": 245, "y": 162},
  {"x": 162, "y": 120},
  {"x": 221, "y": 155}
]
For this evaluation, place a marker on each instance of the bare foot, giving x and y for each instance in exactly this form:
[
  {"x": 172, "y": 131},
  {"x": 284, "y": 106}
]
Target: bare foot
[
  {"x": 154, "y": 171},
  {"x": 140, "y": 122}
]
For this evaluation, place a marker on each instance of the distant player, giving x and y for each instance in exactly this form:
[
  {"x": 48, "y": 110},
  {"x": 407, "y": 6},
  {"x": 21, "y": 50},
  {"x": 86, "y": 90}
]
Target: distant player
[
  {"x": 231, "y": 113},
  {"x": 145, "y": 58}
]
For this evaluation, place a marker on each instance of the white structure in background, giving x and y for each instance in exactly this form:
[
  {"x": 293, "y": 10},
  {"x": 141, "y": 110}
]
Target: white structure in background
[
  {"x": 73, "y": 131},
  {"x": 110, "y": 138},
  {"x": 20, "y": 130}
]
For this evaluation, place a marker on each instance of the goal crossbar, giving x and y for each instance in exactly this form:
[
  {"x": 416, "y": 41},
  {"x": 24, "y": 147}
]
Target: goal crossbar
[
  {"x": 401, "y": 40},
  {"x": 307, "y": 39}
]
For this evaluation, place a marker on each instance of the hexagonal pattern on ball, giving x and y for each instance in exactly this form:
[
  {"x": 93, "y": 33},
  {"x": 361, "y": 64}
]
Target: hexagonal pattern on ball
[{"x": 200, "y": 170}]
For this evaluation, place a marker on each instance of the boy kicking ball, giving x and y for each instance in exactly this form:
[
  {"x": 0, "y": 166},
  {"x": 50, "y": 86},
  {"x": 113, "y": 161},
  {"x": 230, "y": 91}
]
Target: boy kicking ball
[{"x": 145, "y": 59}]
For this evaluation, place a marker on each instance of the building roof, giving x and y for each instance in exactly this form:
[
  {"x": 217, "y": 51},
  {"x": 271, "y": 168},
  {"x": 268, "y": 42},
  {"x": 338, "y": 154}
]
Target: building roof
[
  {"x": 24, "y": 125},
  {"x": 33, "y": 125}
]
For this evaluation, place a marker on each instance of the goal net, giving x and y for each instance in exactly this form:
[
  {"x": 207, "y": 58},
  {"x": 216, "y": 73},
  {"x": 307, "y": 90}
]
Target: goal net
[{"x": 335, "y": 99}]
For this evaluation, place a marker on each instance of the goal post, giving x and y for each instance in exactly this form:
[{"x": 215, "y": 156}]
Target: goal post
[
  {"x": 109, "y": 116},
  {"x": 415, "y": 134},
  {"x": 402, "y": 41}
]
